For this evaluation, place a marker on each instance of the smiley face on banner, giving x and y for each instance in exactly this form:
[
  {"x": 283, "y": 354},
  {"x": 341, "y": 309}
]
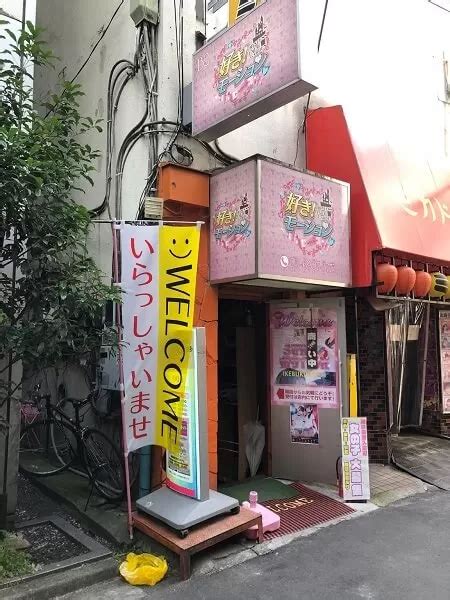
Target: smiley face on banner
[{"x": 178, "y": 261}]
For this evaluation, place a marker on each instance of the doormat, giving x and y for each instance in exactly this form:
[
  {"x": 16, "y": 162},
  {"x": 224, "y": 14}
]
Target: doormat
[
  {"x": 267, "y": 488},
  {"x": 306, "y": 509}
]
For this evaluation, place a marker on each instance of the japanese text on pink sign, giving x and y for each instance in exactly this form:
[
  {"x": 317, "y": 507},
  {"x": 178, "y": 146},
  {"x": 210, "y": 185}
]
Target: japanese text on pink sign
[
  {"x": 355, "y": 459},
  {"x": 139, "y": 268},
  {"x": 304, "y": 353},
  {"x": 305, "y": 226}
]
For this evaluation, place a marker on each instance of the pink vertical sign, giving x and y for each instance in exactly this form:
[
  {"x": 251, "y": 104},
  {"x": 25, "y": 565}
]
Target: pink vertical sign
[{"x": 232, "y": 224}]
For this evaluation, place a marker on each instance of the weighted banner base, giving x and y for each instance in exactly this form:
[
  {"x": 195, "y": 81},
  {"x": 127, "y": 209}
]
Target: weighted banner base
[{"x": 181, "y": 512}]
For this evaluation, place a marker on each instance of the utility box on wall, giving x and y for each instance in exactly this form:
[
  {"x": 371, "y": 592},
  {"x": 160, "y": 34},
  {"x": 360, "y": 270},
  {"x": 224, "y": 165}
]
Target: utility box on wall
[
  {"x": 273, "y": 225},
  {"x": 263, "y": 62}
]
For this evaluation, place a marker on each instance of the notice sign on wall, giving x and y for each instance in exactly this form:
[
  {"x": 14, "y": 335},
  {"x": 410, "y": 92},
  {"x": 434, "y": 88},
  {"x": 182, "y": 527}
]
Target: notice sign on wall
[
  {"x": 355, "y": 459},
  {"x": 304, "y": 354},
  {"x": 444, "y": 346}
]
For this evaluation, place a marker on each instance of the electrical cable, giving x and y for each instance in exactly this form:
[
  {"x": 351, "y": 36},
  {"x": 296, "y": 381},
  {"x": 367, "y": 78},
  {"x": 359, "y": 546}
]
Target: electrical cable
[
  {"x": 95, "y": 46},
  {"x": 228, "y": 157},
  {"x": 302, "y": 127},
  {"x": 126, "y": 67}
]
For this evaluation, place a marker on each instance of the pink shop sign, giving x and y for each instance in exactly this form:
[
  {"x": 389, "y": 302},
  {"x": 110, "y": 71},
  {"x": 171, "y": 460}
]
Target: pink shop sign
[
  {"x": 232, "y": 224},
  {"x": 305, "y": 226},
  {"x": 263, "y": 62},
  {"x": 272, "y": 223}
]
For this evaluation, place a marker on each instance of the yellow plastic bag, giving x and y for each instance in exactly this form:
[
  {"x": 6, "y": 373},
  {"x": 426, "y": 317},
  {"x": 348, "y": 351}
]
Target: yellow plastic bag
[{"x": 143, "y": 569}]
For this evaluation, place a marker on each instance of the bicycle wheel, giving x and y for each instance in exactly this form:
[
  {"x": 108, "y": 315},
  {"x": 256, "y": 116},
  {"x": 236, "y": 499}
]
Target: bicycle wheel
[
  {"x": 104, "y": 464},
  {"x": 45, "y": 448}
]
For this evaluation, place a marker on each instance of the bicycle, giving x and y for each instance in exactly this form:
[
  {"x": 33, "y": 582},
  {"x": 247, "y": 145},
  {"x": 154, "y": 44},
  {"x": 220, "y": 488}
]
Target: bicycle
[
  {"x": 53, "y": 444},
  {"x": 109, "y": 421}
]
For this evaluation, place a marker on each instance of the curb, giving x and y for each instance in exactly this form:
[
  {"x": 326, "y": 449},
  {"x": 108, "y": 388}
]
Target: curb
[
  {"x": 50, "y": 586},
  {"x": 83, "y": 518}
]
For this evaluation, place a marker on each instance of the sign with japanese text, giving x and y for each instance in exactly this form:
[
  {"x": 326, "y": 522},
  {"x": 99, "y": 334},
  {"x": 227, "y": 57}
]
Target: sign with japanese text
[
  {"x": 293, "y": 380},
  {"x": 355, "y": 459},
  {"x": 261, "y": 63},
  {"x": 158, "y": 275},
  {"x": 305, "y": 225},
  {"x": 444, "y": 347},
  {"x": 139, "y": 283},
  {"x": 232, "y": 223},
  {"x": 270, "y": 221},
  {"x": 237, "y": 9}
]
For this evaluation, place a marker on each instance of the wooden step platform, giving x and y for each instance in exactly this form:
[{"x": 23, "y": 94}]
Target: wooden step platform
[{"x": 201, "y": 536}]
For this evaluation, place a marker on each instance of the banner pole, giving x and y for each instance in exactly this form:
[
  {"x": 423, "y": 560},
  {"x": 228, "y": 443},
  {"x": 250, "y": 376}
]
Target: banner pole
[{"x": 122, "y": 383}]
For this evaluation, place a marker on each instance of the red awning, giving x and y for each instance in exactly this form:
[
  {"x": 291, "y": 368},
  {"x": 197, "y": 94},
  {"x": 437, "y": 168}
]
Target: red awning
[{"x": 400, "y": 202}]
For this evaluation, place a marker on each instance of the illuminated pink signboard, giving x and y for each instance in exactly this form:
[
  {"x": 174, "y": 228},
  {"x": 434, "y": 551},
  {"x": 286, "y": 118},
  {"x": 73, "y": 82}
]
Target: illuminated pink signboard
[
  {"x": 270, "y": 222},
  {"x": 263, "y": 62}
]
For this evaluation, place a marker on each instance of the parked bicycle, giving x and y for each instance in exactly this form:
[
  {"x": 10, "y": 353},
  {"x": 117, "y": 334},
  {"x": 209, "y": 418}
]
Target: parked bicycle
[{"x": 56, "y": 442}]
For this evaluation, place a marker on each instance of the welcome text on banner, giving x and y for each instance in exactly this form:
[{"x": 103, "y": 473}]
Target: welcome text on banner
[
  {"x": 139, "y": 248},
  {"x": 158, "y": 280},
  {"x": 178, "y": 261}
]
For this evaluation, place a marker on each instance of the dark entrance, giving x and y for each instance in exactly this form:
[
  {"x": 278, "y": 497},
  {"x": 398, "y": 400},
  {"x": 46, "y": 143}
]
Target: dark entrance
[{"x": 242, "y": 387}]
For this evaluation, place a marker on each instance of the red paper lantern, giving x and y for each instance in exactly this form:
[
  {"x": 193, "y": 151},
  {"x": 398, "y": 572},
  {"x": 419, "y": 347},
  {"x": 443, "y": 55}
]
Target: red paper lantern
[
  {"x": 423, "y": 284},
  {"x": 387, "y": 276},
  {"x": 406, "y": 280}
]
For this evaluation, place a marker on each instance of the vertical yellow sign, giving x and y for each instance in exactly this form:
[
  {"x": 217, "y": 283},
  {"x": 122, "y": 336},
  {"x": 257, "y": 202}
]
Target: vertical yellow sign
[
  {"x": 352, "y": 385},
  {"x": 239, "y": 8},
  {"x": 178, "y": 260}
]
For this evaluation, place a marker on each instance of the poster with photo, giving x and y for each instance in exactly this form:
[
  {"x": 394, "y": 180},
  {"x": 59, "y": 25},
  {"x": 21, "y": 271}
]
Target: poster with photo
[
  {"x": 304, "y": 423},
  {"x": 444, "y": 348},
  {"x": 304, "y": 356}
]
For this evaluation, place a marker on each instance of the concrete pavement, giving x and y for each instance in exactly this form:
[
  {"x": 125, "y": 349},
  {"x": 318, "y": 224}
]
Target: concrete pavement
[{"x": 398, "y": 553}]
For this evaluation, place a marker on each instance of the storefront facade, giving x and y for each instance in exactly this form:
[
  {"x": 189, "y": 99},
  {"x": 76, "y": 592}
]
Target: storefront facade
[{"x": 400, "y": 217}]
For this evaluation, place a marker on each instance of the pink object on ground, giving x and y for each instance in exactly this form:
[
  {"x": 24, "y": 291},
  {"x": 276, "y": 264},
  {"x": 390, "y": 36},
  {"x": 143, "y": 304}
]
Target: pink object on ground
[{"x": 271, "y": 521}]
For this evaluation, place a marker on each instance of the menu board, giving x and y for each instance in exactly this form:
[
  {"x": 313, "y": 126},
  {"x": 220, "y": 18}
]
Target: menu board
[{"x": 444, "y": 349}]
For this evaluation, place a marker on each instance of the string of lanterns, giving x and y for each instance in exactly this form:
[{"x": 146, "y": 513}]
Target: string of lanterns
[{"x": 405, "y": 280}]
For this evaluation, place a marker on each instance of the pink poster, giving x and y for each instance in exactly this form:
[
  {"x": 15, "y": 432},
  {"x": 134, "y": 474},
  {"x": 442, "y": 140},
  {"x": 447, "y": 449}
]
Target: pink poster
[
  {"x": 304, "y": 356},
  {"x": 232, "y": 224},
  {"x": 305, "y": 226},
  {"x": 444, "y": 339}
]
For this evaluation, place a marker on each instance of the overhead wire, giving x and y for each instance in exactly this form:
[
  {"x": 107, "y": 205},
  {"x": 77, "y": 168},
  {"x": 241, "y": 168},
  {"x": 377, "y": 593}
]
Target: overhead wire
[{"x": 95, "y": 46}]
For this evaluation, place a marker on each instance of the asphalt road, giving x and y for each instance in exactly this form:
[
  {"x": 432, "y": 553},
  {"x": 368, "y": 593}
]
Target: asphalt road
[{"x": 399, "y": 553}]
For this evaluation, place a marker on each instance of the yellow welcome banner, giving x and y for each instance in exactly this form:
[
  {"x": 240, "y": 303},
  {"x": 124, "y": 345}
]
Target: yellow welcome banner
[{"x": 178, "y": 261}]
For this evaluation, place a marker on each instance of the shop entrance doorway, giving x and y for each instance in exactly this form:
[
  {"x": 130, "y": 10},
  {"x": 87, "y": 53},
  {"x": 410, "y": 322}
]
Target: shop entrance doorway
[
  {"x": 309, "y": 391},
  {"x": 407, "y": 330},
  {"x": 242, "y": 390}
]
